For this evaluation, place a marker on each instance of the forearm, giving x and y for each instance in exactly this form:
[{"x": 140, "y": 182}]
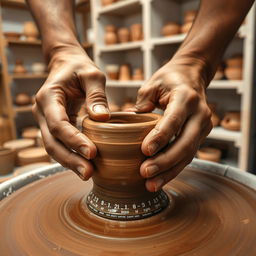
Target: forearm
[
  {"x": 55, "y": 20},
  {"x": 213, "y": 29}
]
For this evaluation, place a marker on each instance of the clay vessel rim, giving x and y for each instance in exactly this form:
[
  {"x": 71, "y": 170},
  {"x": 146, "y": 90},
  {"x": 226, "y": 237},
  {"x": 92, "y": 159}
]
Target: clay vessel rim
[
  {"x": 5, "y": 151},
  {"x": 122, "y": 126}
]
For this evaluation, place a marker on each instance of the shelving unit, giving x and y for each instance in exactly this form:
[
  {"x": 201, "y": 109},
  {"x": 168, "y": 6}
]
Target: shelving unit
[
  {"x": 7, "y": 46},
  {"x": 155, "y": 49}
]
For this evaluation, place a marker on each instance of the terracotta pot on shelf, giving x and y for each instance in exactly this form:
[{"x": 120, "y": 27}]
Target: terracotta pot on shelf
[
  {"x": 22, "y": 99},
  {"x": 209, "y": 154},
  {"x": 235, "y": 61},
  {"x": 38, "y": 68},
  {"x": 125, "y": 72},
  {"x": 30, "y": 132},
  {"x": 136, "y": 32},
  {"x": 5, "y": 130},
  {"x": 110, "y": 35},
  {"x": 112, "y": 71},
  {"x": 214, "y": 118},
  {"x": 7, "y": 160},
  {"x": 12, "y": 35},
  {"x": 186, "y": 27},
  {"x": 138, "y": 74},
  {"x": 30, "y": 31},
  {"x": 234, "y": 73},
  {"x": 232, "y": 121},
  {"x": 189, "y": 16},
  {"x": 170, "y": 29},
  {"x": 123, "y": 35},
  {"x": 107, "y": 2},
  {"x": 19, "y": 67}
]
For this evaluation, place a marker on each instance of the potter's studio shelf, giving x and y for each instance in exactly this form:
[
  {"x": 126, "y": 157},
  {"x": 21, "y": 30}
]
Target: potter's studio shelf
[
  {"x": 23, "y": 109},
  {"x": 120, "y": 8},
  {"x": 122, "y": 47},
  {"x": 130, "y": 84},
  {"x": 227, "y": 84},
  {"x": 29, "y": 76},
  {"x": 220, "y": 133},
  {"x": 176, "y": 39},
  {"x": 24, "y": 43}
]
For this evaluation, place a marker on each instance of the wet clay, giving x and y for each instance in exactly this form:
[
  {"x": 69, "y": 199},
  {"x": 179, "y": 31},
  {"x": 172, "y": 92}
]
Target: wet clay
[{"x": 211, "y": 215}]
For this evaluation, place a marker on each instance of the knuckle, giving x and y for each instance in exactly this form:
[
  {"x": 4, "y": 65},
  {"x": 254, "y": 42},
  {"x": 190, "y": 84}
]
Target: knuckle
[
  {"x": 192, "y": 97},
  {"x": 55, "y": 129},
  {"x": 93, "y": 74},
  {"x": 49, "y": 149}
]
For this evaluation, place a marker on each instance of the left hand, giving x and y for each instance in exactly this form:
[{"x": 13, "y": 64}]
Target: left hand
[{"x": 179, "y": 89}]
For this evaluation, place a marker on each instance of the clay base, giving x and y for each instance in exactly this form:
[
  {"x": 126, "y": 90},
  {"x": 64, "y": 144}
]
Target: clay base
[{"x": 210, "y": 214}]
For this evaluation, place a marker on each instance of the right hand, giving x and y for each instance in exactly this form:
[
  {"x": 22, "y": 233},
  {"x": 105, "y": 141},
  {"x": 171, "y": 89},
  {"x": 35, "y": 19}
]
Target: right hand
[{"x": 73, "y": 78}]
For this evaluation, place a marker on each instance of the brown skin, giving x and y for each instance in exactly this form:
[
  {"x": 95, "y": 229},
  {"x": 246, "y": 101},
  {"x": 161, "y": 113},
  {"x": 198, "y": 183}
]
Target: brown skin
[{"x": 178, "y": 88}]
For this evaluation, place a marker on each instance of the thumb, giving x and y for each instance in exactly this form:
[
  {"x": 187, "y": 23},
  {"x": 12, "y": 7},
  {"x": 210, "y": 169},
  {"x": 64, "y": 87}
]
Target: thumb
[{"x": 96, "y": 101}]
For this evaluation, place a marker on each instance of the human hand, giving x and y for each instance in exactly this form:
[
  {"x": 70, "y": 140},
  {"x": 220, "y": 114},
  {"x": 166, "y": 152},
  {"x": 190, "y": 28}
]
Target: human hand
[
  {"x": 73, "y": 78},
  {"x": 179, "y": 89}
]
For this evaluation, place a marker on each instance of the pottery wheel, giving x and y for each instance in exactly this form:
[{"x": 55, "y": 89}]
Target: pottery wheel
[{"x": 211, "y": 215}]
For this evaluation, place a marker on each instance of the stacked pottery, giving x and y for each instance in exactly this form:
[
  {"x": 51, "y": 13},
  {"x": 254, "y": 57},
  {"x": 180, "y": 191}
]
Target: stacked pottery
[
  {"x": 19, "y": 67},
  {"x": 30, "y": 133},
  {"x": 125, "y": 72},
  {"x": 30, "y": 31},
  {"x": 22, "y": 99},
  {"x": 7, "y": 160},
  {"x": 209, "y": 154},
  {"x": 110, "y": 35},
  {"x": 112, "y": 71},
  {"x": 234, "y": 67},
  {"x": 170, "y": 29},
  {"x": 123, "y": 35},
  {"x": 219, "y": 73},
  {"x": 189, "y": 18},
  {"x": 138, "y": 74},
  {"x": 38, "y": 68},
  {"x": 214, "y": 118},
  {"x": 136, "y": 32},
  {"x": 232, "y": 121}
]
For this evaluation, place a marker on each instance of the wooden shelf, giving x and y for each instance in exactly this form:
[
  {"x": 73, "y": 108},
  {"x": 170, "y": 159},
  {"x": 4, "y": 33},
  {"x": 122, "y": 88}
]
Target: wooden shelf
[
  {"x": 122, "y": 47},
  {"x": 120, "y": 8},
  {"x": 176, "y": 39},
  {"x": 23, "y": 109},
  {"x": 227, "y": 84},
  {"x": 29, "y": 76},
  {"x": 24, "y": 42},
  {"x": 220, "y": 133},
  {"x": 129, "y": 84}
]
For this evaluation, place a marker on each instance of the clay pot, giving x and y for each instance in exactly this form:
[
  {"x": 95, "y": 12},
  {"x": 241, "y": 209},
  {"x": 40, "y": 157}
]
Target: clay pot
[
  {"x": 110, "y": 35},
  {"x": 235, "y": 61},
  {"x": 38, "y": 68},
  {"x": 5, "y": 130},
  {"x": 12, "y": 35},
  {"x": 32, "y": 155},
  {"x": 138, "y": 74},
  {"x": 170, "y": 29},
  {"x": 234, "y": 73},
  {"x": 117, "y": 179},
  {"x": 7, "y": 159},
  {"x": 136, "y": 32},
  {"x": 232, "y": 121},
  {"x": 113, "y": 107},
  {"x": 22, "y": 99},
  {"x": 112, "y": 71},
  {"x": 189, "y": 16},
  {"x": 30, "y": 31},
  {"x": 214, "y": 118},
  {"x": 123, "y": 35},
  {"x": 186, "y": 27},
  {"x": 30, "y": 133},
  {"x": 125, "y": 72},
  {"x": 107, "y": 2},
  {"x": 19, "y": 67},
  {"x": 209, "y": 154}
]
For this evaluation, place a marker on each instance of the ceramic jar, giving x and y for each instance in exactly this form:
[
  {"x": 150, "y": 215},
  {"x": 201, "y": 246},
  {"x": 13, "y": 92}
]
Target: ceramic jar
[
  {"x": 7, "y": 160},
  {"x": 138, "y": 74},
  {"x": 19, "y": 67},
  {"x": 112, "y": 72},
  {"x": 136, "y": 32},
  {"x": 123, "y": 35},
  {"x": 170, "y": 29},
  {"x": 5, "y": 130},
  {"x": 107, "y": 2},
  {"x": 22, "y": 99},
  {"x": 209, "y": 154},
  {"x": 125, "y": 72},
  {"x": 38, "y": 68},
  {"x": 110, "y": 35},
  {"x": 186, "y": 27},
  {"x": 232, "y": 121},
  {"x": 30, "y": 31},
  {"x": 214, "y": 118},
  {"x": 189, "y": 16}
]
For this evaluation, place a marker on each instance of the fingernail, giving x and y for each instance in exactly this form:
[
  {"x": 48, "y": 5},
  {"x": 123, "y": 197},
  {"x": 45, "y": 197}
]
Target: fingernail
[
  {"x": 85, "y": 152},
  {"x": 100, "y": 109},
  {"x": 151, "y": 170},
  {"x": 82, "y": 172},
  {"x": 152, "y": 148},
  {"x": 158, "y": 184}
]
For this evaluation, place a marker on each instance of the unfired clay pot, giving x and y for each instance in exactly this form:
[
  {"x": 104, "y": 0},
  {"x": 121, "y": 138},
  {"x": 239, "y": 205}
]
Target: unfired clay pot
[
  {"x": 136, "y": 32},
  {"x": 107, "y": 2},
  {"x": 170, "y": 29},
  {"x": 189, "y": 16},
  {"x": 232, "y": 121},
  {"x": 125, "y": 72},
  {"x": 7, "y": 159},
  {"x": 234, "y": 73},
  {"x": 30, "y": 31},
  {"x": 110, "y": 35},
  {"x": 209, "y": 154},
  {"x": 112, "y": 72},
  {"x": 19, "y": 67},
  {"x": 138, "y": 74},
  {"x": 186, "y": 27},
  {"x": 118, "y": 184},
  {"x": 22, "y": 99},
  {"x": 123, "y": 35}
]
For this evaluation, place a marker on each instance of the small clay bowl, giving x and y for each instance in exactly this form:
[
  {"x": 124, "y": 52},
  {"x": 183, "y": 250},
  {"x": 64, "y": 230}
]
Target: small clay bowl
[
  {"x": 235, "y": 61},
  {"x": 32, "y": 155},
  {"x": 170, "y": 29},
  {"x": 234, "y": 73},
  {"x": 209, "y": 154},
  {"x": 30, "y": 133},
  {"x": 7, "y": 160},
  {"x": 12, "y": 35},
  {"x": 232, "y": 121},
  {"x": 22, "y": 99}
]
